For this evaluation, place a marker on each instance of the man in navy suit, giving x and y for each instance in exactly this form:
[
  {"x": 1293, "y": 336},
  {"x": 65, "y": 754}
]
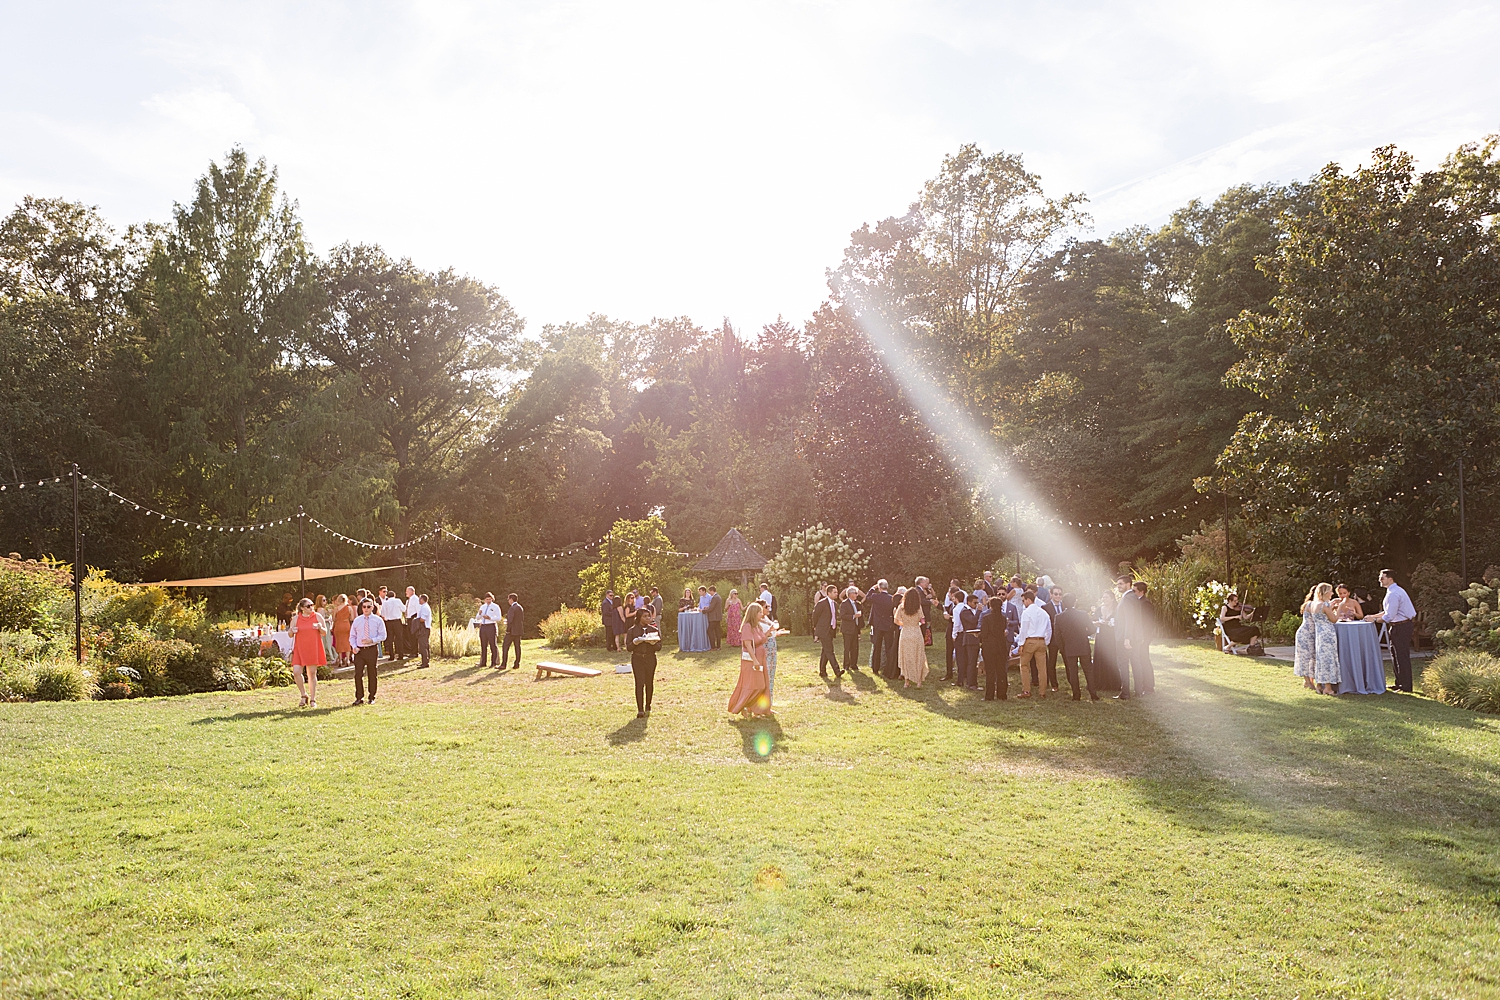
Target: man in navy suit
[{"x": 883, "y": 625}]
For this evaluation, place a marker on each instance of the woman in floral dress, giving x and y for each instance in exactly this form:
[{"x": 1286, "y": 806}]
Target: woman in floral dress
[
  {"x": 1305, "y": 657},
  {"x": 734, "y": 615},
  {"x": 1326, "y": 640}
]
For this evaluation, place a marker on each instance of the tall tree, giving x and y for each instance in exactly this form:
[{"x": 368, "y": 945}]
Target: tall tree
[
  {"x": 1379, "y": 358},
  {"x": 424, "y": 354}
]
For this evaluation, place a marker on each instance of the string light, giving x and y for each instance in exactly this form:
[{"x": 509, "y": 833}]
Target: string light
[{"x": 574, "y": 550}]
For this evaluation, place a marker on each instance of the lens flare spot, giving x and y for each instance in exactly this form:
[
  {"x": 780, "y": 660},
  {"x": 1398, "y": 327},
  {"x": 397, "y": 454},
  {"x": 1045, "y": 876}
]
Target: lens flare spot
[{"x": 763, "y": 744}]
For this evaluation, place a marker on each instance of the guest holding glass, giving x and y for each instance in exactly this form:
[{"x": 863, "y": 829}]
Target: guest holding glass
[
  {"x": 1305, "y": 654},
  {"x": 1347, "y": 607},
  {"x": 1325, "y": 640},
  {"x": 343, "y": 618}
]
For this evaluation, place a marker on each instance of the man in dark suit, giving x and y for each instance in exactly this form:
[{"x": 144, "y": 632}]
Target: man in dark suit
[
  {"x": 968, "y": 648},
  {"x": 1138, "y": 634},
  {"x": 715, "y": 613},
  {"x": 1071, "y": 631},
  {"x": 849, "y": 618},
  {"x": 610, "y": 618},
  {"x": 825, "y": 624},
  {"x": 994, "y": 646},
  {"x": 883, "y": 628},
  {"x": 1052, "y": 602}
]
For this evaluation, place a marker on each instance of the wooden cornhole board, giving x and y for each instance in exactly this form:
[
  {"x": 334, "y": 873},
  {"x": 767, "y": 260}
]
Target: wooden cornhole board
[{"x": 565, "y": 669}]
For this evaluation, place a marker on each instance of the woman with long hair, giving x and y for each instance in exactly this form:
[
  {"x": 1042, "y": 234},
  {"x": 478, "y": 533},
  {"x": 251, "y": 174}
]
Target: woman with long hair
[
  {"x": 343, "y": 618},
  {"x": 1346, "y": 606},
  {"x": 1325, "y": 640},
  {"x": 1306, "y": 655},
  {"x": 911, "y": 654},
  {"x": 734, "y": 616},
  {"x": 750, "y": 697},
  {"x": 307, "y": 650}
]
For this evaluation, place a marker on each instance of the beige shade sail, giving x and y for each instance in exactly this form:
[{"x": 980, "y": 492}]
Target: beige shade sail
[{"x": 288, "y": 574}]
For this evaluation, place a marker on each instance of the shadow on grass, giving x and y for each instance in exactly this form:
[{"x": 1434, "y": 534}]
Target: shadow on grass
[
  {"x": 760, "y": 737},
  {"x": 460, "y": 674},
  {"x": 1225, "y": 757},
  {"x": 632, "y": 732},
  {"x": 838, "y": 693},
  {"x": 274, "y": 714}
]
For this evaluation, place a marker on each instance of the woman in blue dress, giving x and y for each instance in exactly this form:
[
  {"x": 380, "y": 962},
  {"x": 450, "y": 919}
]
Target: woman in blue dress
[
  {"x": 771, "y": 658},
  {"x": 1326, "y": 640},
  {"x": 1306, "y": 655}
]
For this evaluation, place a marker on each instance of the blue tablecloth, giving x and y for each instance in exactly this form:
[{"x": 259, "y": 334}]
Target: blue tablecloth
[
  {"x": 692, "y": 631},
  {"x": 1361, "y": 671}
]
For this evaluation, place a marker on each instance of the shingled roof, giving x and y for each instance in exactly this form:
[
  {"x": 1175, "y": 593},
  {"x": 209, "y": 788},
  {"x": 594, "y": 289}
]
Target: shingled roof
[{"x": 732, "y": 555}]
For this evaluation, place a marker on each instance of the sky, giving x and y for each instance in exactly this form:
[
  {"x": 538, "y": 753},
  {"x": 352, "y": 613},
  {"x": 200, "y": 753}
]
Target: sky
[{"x": 708, "y": 159}]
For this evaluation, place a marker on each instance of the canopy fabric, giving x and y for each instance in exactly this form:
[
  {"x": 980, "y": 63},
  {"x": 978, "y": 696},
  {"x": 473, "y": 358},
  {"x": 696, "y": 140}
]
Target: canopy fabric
[
  {"x": 288, "y": 574},
  {"x": 733, "y": 554}
]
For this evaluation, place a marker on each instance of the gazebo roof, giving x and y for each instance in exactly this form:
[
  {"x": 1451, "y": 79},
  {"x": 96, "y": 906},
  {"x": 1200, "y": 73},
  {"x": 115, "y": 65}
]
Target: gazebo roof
[{"x": 732, "y": 555}]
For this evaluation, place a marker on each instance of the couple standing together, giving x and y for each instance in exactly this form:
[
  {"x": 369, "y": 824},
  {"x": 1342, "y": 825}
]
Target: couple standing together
[{"x": 757, "y": 682}]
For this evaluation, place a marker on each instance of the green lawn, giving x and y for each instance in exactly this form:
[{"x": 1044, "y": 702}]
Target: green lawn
[{"x": 475, "y": 835}]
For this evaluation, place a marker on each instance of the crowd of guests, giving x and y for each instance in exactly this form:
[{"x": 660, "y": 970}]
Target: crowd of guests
[
  {"x": 352, "y": 633},
  {"x": 989, "y": 629}
]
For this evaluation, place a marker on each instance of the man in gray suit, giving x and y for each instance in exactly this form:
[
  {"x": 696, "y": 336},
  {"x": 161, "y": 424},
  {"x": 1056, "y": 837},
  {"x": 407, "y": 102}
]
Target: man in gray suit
[{"x": 715, "y": 614}]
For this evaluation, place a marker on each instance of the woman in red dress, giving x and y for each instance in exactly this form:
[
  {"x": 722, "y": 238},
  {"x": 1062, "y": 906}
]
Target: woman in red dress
[
  {"x": 307, "y": 650},
  {"x": 734, "y": 616}
]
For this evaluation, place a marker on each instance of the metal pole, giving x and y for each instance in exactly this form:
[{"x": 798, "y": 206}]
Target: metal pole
[
  {"x": 437, "y": 560},
  {"x": 1016, "y": 525},
  {"x": 1463, "y": 533},
  {"x": 301, "y": 553},
  {"x": 248, "y": 622},
  {"x": 611, "y": 558},
  {"x": 77, "y": 574},
  {"x": 1228, "y": 565}
]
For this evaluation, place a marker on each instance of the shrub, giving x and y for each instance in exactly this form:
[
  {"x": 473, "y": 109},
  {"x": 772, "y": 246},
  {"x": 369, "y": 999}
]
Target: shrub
[
  {"x": 1173, "y": 584},
  {"x": 17, "y": 679},
  {"x": 35, "y": 595},
  {"x": 114, "y": 690},
  {"x": 150, "y": 660},
  {"x": 1207, "y": 602},
  {"x": 1283, "y": 629},
  {"x": 1479, "y": 627},
  {"x": 60, "y": 680},
  {"x": 1467, "y": 678},
  {"x": 568, "y": 627},
  {"x": 278, "y": 673},
  {"x": 809, "y": 559}
]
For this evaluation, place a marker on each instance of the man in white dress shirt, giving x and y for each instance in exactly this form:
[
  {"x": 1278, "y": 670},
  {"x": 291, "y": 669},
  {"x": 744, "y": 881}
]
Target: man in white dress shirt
[
  {"x": 421, "y": 629},
  {"x": 409, "y": 647},
  {"x": 489, "y": 616},
  {"x": 366, "y": 635},
  {"x": 390, "y": 610},
  {"x": 1401, "y": 615},
  {"x": 1036, "y": 634}
]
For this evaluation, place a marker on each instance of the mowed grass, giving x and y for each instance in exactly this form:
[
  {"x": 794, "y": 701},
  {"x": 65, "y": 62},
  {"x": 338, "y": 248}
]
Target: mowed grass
[{"x": 477, "y": 835}]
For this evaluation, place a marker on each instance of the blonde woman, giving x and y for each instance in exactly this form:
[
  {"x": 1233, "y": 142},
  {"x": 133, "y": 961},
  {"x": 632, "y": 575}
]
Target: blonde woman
[
  {"x": 343, "y": 619},
  {"x": 1306, "y": 654},
  {"x": 749, "y": 697},
  {"x": 1326, "y": 640}
]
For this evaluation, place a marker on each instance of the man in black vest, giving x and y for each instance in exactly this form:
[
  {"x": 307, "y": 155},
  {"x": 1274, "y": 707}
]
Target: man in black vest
[
  {"x": 994, "y": 644},
  {"x": 968, "y": 648}
]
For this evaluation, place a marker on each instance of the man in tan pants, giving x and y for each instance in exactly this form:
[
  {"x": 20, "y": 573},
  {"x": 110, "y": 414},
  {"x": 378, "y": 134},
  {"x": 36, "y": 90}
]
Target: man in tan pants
[{"x": 1036, "y": 635}]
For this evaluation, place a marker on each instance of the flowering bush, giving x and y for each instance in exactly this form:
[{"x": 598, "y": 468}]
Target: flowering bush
[
  {"x": 809, "y": 559},
  {"x": 1207, "y": 600},
  {"x": 1477, "y": 628},
  {"x": 572, "y": 627}
]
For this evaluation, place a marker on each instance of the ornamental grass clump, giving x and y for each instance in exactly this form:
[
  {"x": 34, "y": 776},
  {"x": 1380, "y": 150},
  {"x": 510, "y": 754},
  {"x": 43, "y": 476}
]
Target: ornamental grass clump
[
  {"x": 61, "y": 680},
  {"x": 569, "y": 627},
  {"x": 1466, "y": 678}
]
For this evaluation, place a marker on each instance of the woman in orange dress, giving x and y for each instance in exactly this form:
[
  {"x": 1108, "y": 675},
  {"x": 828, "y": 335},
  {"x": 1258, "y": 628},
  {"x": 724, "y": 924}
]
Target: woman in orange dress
[
  {"x": 307, "y": 650},
  {"x": 343, "y": 620},
  {"x": 749, "y": 697}
]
